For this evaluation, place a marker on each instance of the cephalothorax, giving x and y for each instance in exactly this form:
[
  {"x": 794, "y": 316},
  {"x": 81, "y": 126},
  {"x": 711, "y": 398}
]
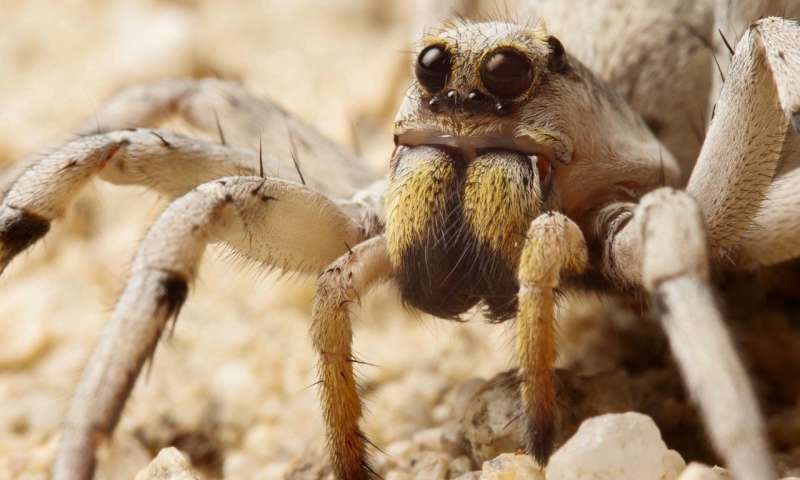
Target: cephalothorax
[
  {"x": 516, "y": 171},
  {"x": 510, "y": 109}
]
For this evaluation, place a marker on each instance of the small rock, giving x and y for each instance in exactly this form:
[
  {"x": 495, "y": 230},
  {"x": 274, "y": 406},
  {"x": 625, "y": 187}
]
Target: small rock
[
  {"x": 23, "y": 344},
  {"x": 441, "y": 413},
  {"x": 454, "y": 442},
  {"x": 624, "y": 446},
  {"x": 460, "y": 466},
  {"x": 170, "y": 464},
  {"x": 407, "y": 405},
  {"x": 476, "y": 475},
  {"x": 417, "y": 457},
  {"x": 32, "y": 462},
  {"x": 674, "y": 464},
  {"x": 429, "y": 439},
  {"x": 489, "y": 421},
  {"x": 698, "y": 471},
  {"x": 511, "y": 466},
  {"x": 399, "y": 449},
  {"x": 122, "y": 458},
  {"x": 458, "y": 398},
  {"x": 272, "y": 470},
  {"x": 431, "y": 467},
  {"x": 398, "y": 475},
  {"x": 310, "y": 467},
  {"x": 398, "y": 455},
  {"x": 492, "y": 425},
  {"x": 233, "y": 378}
]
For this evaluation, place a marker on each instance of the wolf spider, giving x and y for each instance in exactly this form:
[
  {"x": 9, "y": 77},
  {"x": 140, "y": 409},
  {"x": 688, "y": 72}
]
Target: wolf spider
[{"x": 517, "y": 171}]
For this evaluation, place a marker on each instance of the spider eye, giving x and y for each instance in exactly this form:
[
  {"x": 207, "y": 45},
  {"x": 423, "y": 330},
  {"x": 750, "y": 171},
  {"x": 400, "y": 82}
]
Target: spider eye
[
  {"x": 433, "y": 67},
  {"x": 506, "y": 73}
]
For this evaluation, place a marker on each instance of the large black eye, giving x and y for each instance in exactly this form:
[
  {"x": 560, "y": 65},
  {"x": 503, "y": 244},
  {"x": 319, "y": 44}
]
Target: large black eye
[
  {"x": 433, "y": 67},
  {"x": 506, "y": 73}
]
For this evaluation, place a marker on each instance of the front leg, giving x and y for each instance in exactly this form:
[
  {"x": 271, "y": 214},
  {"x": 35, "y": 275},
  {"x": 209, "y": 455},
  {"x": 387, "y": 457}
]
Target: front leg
[
  {"x": 339, "y": 286},
  {"x": 732, "y": 18},
  {"x": 298, "y": 230},
  {"x": 661, "y": 246},
  {"x": 168, "y": 163},
  {"x": 554, "y": 246},
  {"x": 758, "y": 106}
]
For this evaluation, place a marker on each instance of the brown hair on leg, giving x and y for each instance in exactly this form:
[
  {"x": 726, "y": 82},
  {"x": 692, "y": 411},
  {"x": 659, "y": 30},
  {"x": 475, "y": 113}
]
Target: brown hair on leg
[
  {"x": 554, "y": 245},
  {"x": 339, "y": 286}
]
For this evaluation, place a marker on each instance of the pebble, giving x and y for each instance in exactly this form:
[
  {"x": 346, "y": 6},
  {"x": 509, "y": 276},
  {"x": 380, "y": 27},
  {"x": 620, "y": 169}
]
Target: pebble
[
  {"x": 122, "y": 458},
  {"x": 170, "y": 464},
  {"x": 510, "y": 466},
  {"x": 470, "y": 476},
  {"x": 492, "y": 425},
  {"x": 432, "y": 467},
  {"x": 22, "y": 344},
  {"x": 489, "y": 421},
  {"x": 698, "y": 471},
  {"x": 460, "y": 466},
  {"x": 625, "y": 446}
]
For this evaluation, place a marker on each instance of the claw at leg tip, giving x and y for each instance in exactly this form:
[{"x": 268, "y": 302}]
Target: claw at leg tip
[
  {"x": 542, "y": 454},
  {"x": 541, "y": 439}
]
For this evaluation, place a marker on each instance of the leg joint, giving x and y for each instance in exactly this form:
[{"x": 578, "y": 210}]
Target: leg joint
[{"x": 672, "y": 233}]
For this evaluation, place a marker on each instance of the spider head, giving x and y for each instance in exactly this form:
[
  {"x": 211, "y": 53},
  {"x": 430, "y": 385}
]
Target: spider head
[
  {"x": 483, "y": 85},
  {"x": 466, "y": 179},
  {"x": 479, "y": 78}
]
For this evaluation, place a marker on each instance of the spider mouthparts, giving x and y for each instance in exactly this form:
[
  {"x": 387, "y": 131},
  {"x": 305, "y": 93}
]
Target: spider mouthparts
[
  {"x": 469, "y": 147},
  {"x": 545, "y": 169}
]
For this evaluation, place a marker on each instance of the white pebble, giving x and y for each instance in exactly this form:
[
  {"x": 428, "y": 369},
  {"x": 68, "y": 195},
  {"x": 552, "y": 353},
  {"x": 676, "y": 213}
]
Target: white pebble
[
  {"x": 509, "y": 466},
  {"x": 22, "y": 344},
  {"x": 698, "y": 471},
  {"x": 625, "y": 446},
  {"x": 170, "y": 464}
]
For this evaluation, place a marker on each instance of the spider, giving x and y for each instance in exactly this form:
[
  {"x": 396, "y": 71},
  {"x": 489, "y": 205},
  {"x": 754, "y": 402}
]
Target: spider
[{"x": 517, "y": 170}]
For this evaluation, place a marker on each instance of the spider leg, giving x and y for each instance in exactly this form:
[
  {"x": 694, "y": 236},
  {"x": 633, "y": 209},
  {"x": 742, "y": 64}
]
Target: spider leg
[
  {"x": 228, "y": 114},
  {"x": 759, "y": 103},
  {"x": 732, "y": 19},
  {"x": 297, "y": 230},
  {"x": 221, "y": 108},
  {"x": 340, "y": 285},
  {"x": 667, "y": 242},
  {"x": 113, "y": 145},
  {"x": 554, "y": 246},
  {"x": 775, "y": 234},
  {"x": 661, "y": 244},
  {"x": 231, "y": 115},
  {"x": 169, "y": 163}
]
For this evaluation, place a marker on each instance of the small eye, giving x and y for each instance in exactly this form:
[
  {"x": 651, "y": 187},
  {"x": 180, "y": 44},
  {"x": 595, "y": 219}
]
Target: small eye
[
  {"x": 433, "y": 67},
  {"x": 506, "y": 73}
]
